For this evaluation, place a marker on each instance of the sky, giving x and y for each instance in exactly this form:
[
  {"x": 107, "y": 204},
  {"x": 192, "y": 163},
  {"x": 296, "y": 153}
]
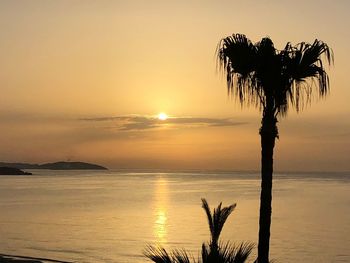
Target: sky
[{"x": 85, "y": 81}]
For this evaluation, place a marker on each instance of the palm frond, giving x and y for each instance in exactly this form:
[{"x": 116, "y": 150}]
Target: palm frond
[
  {"x": 158, "y": 255},
  {"x": 236, "y": 53},
  {"x": 181, "y": 256},
  {"x": 306, "y": 70},
  {"x": 216, "y": 220},
  {"x": 205, "y": 253},
  {"x": 236, "y": 57},
  {"x": 260, "y": 75},
  {"x": 227, "y": 253},
  {"x": 243, "y": 252},
  {"x": 206, "y": 208}
]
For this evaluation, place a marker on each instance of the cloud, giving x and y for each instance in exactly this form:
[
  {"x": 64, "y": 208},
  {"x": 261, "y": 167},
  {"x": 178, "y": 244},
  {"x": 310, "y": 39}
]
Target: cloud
[{"x": 140, "y": 123}]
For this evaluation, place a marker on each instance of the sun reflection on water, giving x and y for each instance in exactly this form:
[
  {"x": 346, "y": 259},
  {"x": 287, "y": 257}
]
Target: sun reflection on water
[
  {"x": 160, "y": 227},
  {"x": 160, "y": 230}
]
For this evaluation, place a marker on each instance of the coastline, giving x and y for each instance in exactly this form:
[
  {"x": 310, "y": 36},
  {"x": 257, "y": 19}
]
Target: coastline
[{"x": 5, "y": 258}]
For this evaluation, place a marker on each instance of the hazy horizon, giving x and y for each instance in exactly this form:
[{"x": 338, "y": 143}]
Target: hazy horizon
[{"x": 87, "y": 80}]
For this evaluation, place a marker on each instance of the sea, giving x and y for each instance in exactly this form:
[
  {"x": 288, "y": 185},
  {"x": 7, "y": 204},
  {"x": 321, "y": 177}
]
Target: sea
[{"x": 112, "y": 216}]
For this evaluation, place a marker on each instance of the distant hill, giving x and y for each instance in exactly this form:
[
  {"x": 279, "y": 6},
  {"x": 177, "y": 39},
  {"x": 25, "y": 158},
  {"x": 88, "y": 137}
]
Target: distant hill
[
  {"x": 56, "y": 166},
  {"x": 20, "y": 165}
]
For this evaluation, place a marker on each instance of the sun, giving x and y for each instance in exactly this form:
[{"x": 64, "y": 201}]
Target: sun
[{"x": 162, "y": 116}]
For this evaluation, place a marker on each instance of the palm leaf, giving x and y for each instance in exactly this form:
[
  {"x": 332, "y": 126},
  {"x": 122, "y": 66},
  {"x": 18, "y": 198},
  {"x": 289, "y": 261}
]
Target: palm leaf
[
  {"x": 227, "y": 253},
  {"x": 181, "y": 256},
  {"x": 243, "y": 252},
  {"x": 158, "y": 255},
  {"x": 260, "y": 75},
  {"x": 237, "y": 57},
  {"x": 306, "y": 70},
  {"x": 216, "y": 220}
]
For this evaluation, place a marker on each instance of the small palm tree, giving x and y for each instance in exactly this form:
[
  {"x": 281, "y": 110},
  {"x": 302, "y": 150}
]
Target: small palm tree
[
  {"x": 213, "y": 252},
  {"x": 222, "y": 253},
  {"x": 216, "y": 221},
  {"x": 273, "y": 80}
]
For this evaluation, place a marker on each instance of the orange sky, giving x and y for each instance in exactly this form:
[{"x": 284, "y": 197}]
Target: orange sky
[{"x": 74, "y": 76}]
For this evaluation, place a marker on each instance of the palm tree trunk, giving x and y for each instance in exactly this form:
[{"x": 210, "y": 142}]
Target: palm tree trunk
[{"x": 268, "y": 133}]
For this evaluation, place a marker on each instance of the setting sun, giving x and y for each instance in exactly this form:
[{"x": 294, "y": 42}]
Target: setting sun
[{"x": 162, "y": 116}]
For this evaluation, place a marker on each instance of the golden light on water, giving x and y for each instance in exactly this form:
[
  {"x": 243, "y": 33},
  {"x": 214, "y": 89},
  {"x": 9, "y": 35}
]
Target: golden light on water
[
  {"x": 160, "y": 225},
  {"x": 162, "y": 116}
]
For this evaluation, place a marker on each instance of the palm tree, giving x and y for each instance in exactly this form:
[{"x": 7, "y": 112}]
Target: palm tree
[
  {"x": 213, "y": 252},
  {"x": 273, "y": 80}
]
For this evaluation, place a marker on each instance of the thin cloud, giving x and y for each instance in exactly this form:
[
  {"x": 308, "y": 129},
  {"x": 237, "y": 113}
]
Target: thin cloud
[{"x": 140, "y": 123}]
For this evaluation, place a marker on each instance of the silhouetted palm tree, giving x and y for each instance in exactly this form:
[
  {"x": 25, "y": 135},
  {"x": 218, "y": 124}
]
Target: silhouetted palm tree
[
  {"x": 225, "y": 252},
  {"x": 213, "y": 252},
  {"x": 272, "y": 80}
]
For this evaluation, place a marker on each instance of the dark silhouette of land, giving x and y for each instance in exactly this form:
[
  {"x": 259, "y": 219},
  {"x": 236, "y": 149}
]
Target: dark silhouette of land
[
  {"x": 56, "y": 166},
  {"x": 4, "y": 258},
  {"x": 12, "y": 171},
  {"x": 12, "y": 260}
]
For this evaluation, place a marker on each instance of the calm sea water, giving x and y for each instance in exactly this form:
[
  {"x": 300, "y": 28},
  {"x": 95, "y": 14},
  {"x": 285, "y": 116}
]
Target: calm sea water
[{"x": 111, "y": 216}]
